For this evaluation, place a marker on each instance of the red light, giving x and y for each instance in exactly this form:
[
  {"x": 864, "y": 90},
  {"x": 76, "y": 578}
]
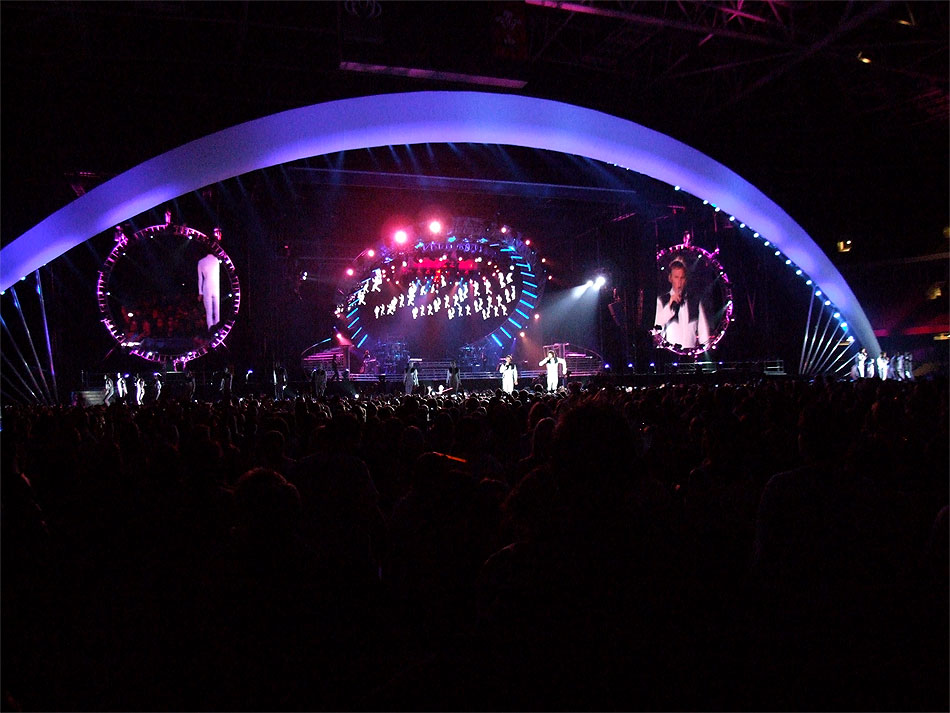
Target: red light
[
  {"x": 349, "y": 271},
  {"x": 527, "y": 242},
  {"x": 371, "y": 253},
  {"x": 520, "y": 334},
  {"x": 537, "y": 316},
  {"x": 401, "y": 236},
  {"x": 550, "y": 278},
  {"x": 435, "y": 227},
  {"x": 544, "y": 259}
]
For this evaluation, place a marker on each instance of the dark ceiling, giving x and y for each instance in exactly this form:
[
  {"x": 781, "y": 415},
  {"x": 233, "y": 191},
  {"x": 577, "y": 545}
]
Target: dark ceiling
[{"x": 777, "y": 91}]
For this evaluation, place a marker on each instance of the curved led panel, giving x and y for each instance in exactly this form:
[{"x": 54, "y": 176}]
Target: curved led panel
[
  {"x": 437, "y": 293},
  {"x": 425, "y": 117}
]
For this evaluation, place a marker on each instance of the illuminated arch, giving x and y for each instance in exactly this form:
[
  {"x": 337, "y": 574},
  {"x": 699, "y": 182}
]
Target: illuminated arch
[{"x": 426, "y": 117}]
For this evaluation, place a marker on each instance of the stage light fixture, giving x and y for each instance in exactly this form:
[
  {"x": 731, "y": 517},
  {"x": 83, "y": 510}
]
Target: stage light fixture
[
  {"x": 705, "y": 202},
  {"x": 827, "y": 303},
  {"x": 676, "y": 188},
  {"x": 732, "y": 219},
  {"x": 808, "y": 282},
  {"x": 504, "y": 229},
  {"x": 589, "y": 283},
  {"x": 520, "y": 334},
  {"x": 788, "y": 262},
  {"x": 130, "y": 315},
  {"x": 629, "y": 364},
  {"x": 435, "y": 227},
  {"x": 527, "y": 242},
  {"x": 837, "y": 315},
  {"x": 798, "y": 271},
  {"x": 537, "y": 316},
  {"x": 755, "y": 235},
  {"x": 371, "y": 253},
  {"x": 778, "y": 252},
  {"x": 741, "y": 225},
  {"x": 349, "y": 272},
  {"x": 401, "y": 236},
  {"x": 817, "y": 293},
  {"x": 550, "y": 277},
  {"x": 600, "y": 281},
  {"x": 718, "y": 209}
]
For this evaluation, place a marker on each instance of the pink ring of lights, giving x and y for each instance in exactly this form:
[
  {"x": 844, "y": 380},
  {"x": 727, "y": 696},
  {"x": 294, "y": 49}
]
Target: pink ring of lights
[
  {"x": 419, "y": 118},
  {"x": 115, "y": 256}
]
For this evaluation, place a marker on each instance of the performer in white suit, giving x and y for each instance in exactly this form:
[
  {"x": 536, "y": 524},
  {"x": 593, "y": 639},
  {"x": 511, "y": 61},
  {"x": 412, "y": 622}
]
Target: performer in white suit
[
  {"x": 139, "y": 390},
  {"x": 862, "y": 360},
  {"x": 509, "y": 375},
  {"x": 551, "y": 362},
  {"x": 121, "y": 388},
  {"x": 882, "y": 363},
  {"x": 209, "y": 287},
  {"x": 680, "y": 316}
]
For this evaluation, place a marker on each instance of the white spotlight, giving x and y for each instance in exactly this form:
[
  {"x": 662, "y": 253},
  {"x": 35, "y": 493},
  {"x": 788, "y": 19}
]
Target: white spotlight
[{"x": 600, "y": 281}]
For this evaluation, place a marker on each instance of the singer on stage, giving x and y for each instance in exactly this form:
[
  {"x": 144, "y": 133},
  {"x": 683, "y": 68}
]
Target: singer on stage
[
  {"x": 679, "y": 315},
  {"x": 551, "y": 362}
]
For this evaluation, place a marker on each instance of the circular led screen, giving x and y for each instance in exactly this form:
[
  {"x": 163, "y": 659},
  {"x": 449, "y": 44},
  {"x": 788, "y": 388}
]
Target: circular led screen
[
  {"x": 169, "y": 293},
  {"x": 439, "y": 291},
  {"x": 693, "y": 299}
]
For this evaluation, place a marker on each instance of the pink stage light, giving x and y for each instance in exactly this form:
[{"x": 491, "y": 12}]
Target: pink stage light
[
  {"x": 371, "y": 253},
  {"x": 349, "y": 271},
  {"x": 401, "y": 236},
  {"x": 537, "y": 316},
  {"x": 527, "y": 242},
  {"x": 435, "y": 227}
]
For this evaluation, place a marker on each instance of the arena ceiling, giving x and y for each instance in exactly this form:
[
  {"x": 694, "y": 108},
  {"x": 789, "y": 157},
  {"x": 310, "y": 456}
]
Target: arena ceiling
[{"x": 836, "y": 111}]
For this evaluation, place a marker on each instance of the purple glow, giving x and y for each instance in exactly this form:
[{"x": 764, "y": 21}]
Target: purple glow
[{"x": 423, "y": 117}]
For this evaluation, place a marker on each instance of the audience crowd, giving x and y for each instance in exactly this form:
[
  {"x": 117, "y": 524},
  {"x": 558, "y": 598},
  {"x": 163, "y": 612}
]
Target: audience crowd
[{"x": 777, "y": 545}]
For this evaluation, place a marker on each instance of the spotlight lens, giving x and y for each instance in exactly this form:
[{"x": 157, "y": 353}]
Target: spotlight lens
[
  {"x": 589, "y": 283},
  {"x": 435, "y": 227},
  {"x": 600, "y": 281},
  {"x": 537, "y": 316},
  {"x": 520, "y": 334},
  {"x": 349, "y": 271},
  {"x": 401, "y": 236},
  {"x": 371, "y": 253},
  {"x": 817, "y": 293}
]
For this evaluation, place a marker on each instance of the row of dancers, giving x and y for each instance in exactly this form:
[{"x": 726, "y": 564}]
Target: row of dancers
[
  {"x": 116, "y": 389},
  {"x": 899, "y": 367},
  {"x": 509, "y": 374}
]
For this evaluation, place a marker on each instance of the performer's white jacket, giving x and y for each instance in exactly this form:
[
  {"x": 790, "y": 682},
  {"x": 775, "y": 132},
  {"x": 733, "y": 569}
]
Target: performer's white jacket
[
  {"x": 551, "y": 364},
  {"x": 509, "y": 377},
  {"x": 677, "y": 327}
]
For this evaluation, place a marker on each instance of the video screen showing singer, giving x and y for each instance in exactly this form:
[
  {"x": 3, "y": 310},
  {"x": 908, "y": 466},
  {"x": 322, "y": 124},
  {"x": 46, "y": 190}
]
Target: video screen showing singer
[{"x": 681, "y": 316}]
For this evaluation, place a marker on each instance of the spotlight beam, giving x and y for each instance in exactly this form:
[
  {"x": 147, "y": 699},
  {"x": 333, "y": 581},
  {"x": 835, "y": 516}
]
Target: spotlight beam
[
  {"x": 822, "y": 347},
  {"x": 49, "y": 348},
  {"x": 13, "y": 369},
  {"x": 801, "y": 359},
  {"x": 832, "y": 357},
  {"x": 43, "y": 394}
]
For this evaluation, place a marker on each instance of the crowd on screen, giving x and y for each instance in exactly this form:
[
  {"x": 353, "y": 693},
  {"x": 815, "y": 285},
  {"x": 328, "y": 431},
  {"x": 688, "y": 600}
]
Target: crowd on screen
[
  {"x": 775, "y": 545},
  {"x": 161, "y": 317}
]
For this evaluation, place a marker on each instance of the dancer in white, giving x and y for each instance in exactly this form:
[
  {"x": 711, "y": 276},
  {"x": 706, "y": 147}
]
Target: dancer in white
[
  {"x": 882, "y": 363},
  {"x": 209, "y": 287},
  {"x": 862, "y": 359},
  {"x": 121, "y": 388},
  {"x": 139, "y": 390},
  {"x": 108, "y": 392},
  {"x": 551, "y": 362},
  {"x": 509, "y": 375}
]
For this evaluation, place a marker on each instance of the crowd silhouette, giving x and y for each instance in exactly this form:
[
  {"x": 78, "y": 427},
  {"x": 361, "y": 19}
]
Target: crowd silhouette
[{"x": 776, "y": 545}]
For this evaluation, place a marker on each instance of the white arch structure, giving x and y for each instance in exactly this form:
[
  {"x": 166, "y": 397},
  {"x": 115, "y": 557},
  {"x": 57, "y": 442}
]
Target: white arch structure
[{"x": 426, "y": 117}]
